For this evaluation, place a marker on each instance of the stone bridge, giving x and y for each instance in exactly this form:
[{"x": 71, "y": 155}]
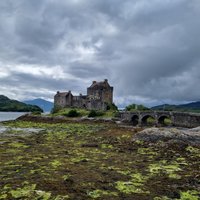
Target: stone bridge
[{"x": 179, "y": 119}]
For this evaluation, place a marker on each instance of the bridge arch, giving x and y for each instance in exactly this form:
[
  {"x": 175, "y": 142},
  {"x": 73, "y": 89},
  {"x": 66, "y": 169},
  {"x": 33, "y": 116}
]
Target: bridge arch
[
  {"x": 135, "y": 120},
  {"x": 148, "y": 119},
  {"x": 165, "y": 120}
]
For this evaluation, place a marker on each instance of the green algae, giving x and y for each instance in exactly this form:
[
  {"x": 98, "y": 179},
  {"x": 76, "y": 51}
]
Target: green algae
[
  {"x": 181, "y": 161},
  {"x": 139, "y": 142},
  {"x": 194, "y": 151},
  {"x": 56, "y": 135},
  {"x": 170, "y": 168},
  {"x": 161, "y": 198},
  {"x": 79, "y": 158},
  {"x": 34, "y": 171},
  {"x": 174, "y": 176},
  {"x": 23, "y": 192},
  {"x": 100, "y": 193},
  {"x": 56, "y": 163},
  {"x": 124, "y": 172},
  {"x": 86, "y": 184},
  {"x": 30, "y": 192},
  {"x": 138, "y": 178},
  {"x": 60, "y": 197},
  {"x": 147, "y": 151},
  {"x": 125, "y": 136},
  {"x": 66, "y": 177},
  {"x": 106, "y": 146},
  {"x": 190, "y": 195},
  {"x": 129, "y": 187},
  {"x": 134, "y": 185},
  {"x": 74, "y": 128},
  {"x": 3, "y": 196},
  {"x": 18, "y": 145}
]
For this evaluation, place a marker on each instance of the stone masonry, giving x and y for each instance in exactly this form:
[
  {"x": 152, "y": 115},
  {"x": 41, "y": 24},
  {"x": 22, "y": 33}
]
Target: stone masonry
[{"x": 99, "y": 95}]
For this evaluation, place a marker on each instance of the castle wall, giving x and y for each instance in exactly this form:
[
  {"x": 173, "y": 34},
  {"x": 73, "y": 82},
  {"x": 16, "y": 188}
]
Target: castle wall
[
  {"x": 98, "y": 94},
  {"x": 79, "y": 101},
  {"x": 59, "y": 101},
  {"x": 103, "y": 94},
  {"x": 94, "y": 94},
  {"x": 107, "y": 95},
  {"x": 96, "y": 105},
  {"x": 63, "y": 100},
  {"x": 68, "y": 100}
]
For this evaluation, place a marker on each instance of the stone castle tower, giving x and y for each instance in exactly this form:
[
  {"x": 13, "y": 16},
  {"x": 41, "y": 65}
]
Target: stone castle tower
[{"x": 99, "y": 95}]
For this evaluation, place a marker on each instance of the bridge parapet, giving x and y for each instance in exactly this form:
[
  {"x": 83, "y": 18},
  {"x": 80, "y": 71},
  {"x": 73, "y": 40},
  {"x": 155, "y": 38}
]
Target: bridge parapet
[
  {"x": 181, "y": 119},
  {"x": 188, "y": 120}
]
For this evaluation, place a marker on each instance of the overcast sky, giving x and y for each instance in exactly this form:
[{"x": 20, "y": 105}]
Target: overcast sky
[{"x": 149, "y": 50}]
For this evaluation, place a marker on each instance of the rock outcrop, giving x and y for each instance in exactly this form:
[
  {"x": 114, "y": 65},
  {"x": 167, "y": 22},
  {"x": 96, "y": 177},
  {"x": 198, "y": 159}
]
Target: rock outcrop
[{"x": 169, "y": 135}]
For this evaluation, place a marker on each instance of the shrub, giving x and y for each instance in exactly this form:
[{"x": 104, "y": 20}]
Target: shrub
[
  {"x": 55, "y": 109},
  {"x": 94, "y": 113},
  {"x": 36, "y": 113},
  {"x": 111, "y": 106},
  {"x": 73, "y": 113}
]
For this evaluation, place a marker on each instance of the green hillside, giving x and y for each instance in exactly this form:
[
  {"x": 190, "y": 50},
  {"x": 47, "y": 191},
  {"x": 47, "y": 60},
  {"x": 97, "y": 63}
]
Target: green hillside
[
  {"x": 8, "y": 105},
  {"x": 190, "y": 107}
]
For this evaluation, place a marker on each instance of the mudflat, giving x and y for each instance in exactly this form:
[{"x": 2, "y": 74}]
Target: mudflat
[{"x": 94, "y": 161}]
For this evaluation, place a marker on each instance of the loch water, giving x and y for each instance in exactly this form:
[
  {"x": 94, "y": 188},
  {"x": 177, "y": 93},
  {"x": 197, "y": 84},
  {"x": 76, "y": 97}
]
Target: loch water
[{"x": 5, "y": 116}]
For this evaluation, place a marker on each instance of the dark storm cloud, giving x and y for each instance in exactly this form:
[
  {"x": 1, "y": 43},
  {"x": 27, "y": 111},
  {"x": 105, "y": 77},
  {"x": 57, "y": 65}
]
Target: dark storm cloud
[
  {"x": 149, "y": 50},
  {"x": 88, "y": 70}
]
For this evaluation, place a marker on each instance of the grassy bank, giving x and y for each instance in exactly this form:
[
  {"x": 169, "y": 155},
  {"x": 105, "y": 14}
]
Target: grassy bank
[
  {"x": 91, "y": 161},
  {"x": 85, "y": 113}
]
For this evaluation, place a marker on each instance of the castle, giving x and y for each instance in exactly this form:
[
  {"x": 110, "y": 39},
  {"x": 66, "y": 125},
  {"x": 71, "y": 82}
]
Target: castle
[{"x": 99, "y": 95}]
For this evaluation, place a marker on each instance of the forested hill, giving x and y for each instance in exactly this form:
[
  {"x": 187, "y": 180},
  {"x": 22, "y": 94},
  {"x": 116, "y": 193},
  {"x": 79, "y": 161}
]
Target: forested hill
[
  {"x": 7, "y": 105},
  {"x": 190, "y": 107}
]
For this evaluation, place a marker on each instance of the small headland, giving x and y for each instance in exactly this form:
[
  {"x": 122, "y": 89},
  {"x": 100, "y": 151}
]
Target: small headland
[{"x": 63, "y": 119}]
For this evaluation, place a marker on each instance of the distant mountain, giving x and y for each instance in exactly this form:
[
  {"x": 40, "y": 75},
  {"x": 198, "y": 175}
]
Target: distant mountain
[
  {"x": 45, "y": 105},
  {"x": 9, "y": 105},
  {"x": 189, "y": 107},
  {"x": 193, "y": 105}
]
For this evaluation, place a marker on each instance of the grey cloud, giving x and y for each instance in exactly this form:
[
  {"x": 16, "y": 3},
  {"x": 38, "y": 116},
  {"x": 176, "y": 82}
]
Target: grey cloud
[
  {"x": 149, "y": 50},
  {"x": 88, "y": 70}
]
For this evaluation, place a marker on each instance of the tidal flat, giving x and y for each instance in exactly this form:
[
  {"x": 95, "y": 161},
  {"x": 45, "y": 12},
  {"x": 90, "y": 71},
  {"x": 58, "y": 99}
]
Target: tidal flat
[{"x": 84, "y": 161}]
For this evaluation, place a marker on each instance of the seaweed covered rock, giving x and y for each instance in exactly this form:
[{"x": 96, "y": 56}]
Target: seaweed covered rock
[{"x": 189, "y": 136}]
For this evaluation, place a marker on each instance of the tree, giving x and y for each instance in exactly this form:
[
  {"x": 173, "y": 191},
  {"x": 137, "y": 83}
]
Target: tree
[
  {"x": 111, "y": 106},
  {"x": 134, "y": 107}
]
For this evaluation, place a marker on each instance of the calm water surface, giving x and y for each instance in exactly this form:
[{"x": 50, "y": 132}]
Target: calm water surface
[{"x": 5, "y": 116}]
